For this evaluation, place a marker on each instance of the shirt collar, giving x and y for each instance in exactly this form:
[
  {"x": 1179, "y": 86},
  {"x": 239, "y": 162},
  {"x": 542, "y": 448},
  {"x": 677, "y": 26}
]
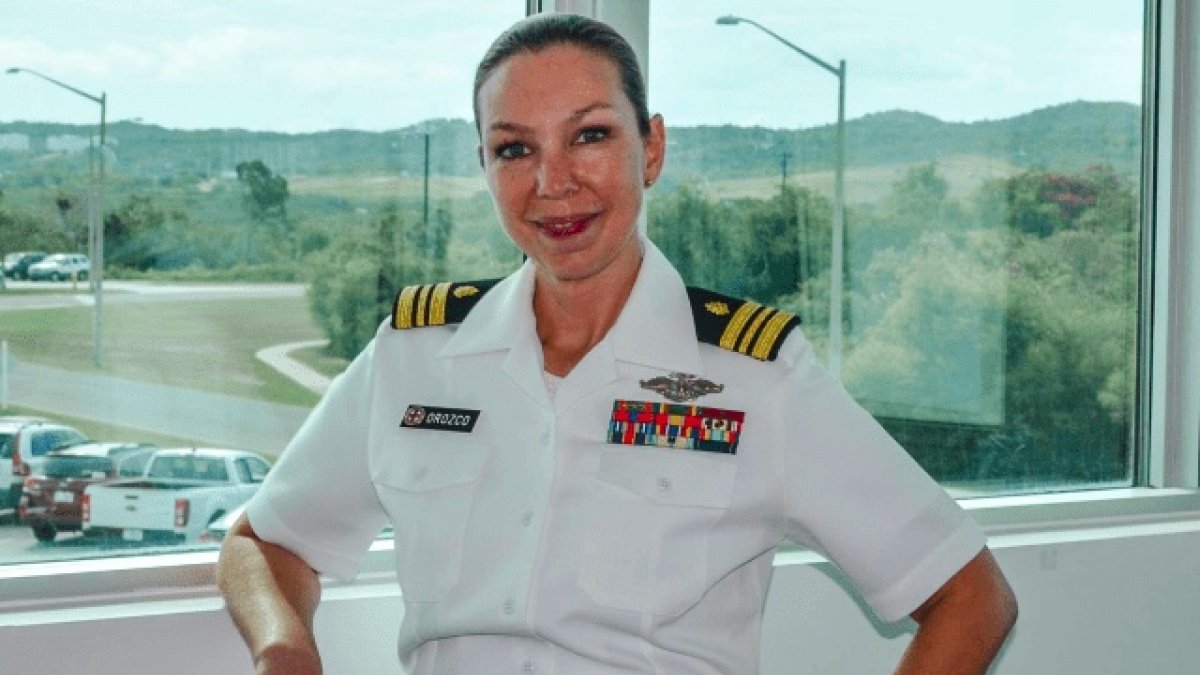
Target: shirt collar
[{"x": 655, "y": 328}]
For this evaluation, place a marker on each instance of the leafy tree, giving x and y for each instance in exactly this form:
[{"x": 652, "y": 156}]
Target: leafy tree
[
  {"x": 21, "y": 231},
  {"x": 1058, "y": 250},
  {"x": 354, "y": 280},
  {"x": 266, "y": 192},
  {"x": 130, "y": 233},
  {"x": 761, "y": 249}
]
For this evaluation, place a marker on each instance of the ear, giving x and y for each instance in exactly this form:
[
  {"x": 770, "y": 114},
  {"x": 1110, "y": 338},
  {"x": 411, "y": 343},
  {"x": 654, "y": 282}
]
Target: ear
[{"x": 655, "y": 148}]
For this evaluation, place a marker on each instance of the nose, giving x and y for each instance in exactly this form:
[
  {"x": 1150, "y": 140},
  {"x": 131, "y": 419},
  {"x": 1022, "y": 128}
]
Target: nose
[{"x": 556, "y": 175}]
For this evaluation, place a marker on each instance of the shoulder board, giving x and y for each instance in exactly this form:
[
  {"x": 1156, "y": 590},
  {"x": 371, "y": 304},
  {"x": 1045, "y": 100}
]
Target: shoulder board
[
  {"x": 437, "y": 304},
  {"x": 741, "y": 326}
]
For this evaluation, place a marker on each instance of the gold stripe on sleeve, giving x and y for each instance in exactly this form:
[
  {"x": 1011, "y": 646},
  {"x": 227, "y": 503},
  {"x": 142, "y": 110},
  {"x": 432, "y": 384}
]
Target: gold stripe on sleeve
[{"x": 730, "y": 337}]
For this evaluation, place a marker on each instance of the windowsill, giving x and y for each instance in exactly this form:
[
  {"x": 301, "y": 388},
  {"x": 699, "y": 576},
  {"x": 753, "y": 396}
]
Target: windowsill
[{"x": 181, "y": 583}]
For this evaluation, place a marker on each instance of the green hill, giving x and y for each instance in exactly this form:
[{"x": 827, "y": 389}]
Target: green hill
[{"x": 1066, "y": 137}]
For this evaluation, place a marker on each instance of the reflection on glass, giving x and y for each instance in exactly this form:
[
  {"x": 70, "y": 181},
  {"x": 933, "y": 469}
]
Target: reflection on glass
[{"x": 991, "y": 218}]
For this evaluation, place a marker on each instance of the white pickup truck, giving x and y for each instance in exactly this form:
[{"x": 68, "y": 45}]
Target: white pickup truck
[{"x": 183, "y": 490}]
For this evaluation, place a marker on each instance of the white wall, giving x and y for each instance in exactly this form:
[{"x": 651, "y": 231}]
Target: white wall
[{"x": 1119, "y": 600}]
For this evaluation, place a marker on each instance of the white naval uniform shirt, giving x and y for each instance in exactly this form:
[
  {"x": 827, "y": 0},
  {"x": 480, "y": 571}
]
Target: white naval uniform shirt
[{"x": 532, "y": 545}]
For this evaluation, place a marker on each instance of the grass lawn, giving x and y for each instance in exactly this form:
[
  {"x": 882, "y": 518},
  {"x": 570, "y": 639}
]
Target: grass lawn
[
  {"x": 100, "y": 430},
  {"x": 320, "y": 360},
  {"x": 199, "y": 344}
]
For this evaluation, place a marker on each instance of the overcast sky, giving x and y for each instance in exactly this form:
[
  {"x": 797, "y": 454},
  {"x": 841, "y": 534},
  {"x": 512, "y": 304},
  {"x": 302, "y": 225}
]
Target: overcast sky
[{"x": 305, "y": 65}]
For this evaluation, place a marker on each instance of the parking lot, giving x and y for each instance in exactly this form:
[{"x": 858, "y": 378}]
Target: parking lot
[
  {"x": 17, "y": 544},
  {"x": 132, "y": 404}
]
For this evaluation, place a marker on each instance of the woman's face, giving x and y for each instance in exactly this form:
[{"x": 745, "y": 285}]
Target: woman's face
[{"x": 565, "y": 162}]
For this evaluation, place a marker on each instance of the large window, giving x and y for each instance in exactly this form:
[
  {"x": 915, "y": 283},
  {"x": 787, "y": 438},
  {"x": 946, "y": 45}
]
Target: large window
[
  {"x": 980, "y": 195},
  {"x": 272, "y": 173}
]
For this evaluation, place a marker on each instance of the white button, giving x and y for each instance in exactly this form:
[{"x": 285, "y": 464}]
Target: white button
[
  {"x": 509, "y": 606},
  {"x": 529, "y": 667},
  {"x": 421, "y": 473},
  {"x": 527, "y": 518},
  {"x": 664, "y": 484},
  {"x": 544, "y": 439}
]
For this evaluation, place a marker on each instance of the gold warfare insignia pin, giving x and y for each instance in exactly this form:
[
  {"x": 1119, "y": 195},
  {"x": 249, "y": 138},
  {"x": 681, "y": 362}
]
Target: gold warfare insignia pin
[
  {"x": 465, "y": 291},
  {"x": 681, "y": 387}
]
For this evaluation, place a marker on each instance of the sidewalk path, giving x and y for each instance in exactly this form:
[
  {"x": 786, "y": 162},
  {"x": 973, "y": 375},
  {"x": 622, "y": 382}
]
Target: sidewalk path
[{"x": 279, "y": 358}]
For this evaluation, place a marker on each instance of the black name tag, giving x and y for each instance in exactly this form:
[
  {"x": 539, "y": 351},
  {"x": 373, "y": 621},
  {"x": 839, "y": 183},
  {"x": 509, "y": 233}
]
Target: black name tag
[{"x": 441, "y": 419}]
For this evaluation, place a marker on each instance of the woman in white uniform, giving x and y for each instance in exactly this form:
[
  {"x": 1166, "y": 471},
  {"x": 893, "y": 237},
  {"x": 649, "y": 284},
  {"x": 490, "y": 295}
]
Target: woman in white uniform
[{"x": 587, "y": 464}]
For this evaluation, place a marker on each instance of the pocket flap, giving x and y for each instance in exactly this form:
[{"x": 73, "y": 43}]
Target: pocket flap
[
  {"x": 433, "y": 461},
  {"x": 672, "y": 477}
]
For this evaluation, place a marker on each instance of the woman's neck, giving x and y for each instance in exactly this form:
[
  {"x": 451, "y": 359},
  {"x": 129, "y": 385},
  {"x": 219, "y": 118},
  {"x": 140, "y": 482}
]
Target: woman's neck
[{"x": 574, "y": 315}]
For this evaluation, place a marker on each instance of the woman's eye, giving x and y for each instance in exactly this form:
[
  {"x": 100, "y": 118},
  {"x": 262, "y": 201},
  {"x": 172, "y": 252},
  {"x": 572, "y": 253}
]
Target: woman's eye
[
  {"x": 593, "y": 134},
  {"x": 511, "y": 150}
]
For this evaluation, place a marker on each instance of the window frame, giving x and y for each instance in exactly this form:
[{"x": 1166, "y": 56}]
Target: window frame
[{"x": 1167, "y": 472}]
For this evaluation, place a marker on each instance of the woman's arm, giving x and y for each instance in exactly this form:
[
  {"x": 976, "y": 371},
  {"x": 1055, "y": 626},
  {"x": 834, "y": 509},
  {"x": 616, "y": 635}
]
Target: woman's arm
[
  {"x": 272, "y": 596},
  {"x": 964, "y": 623}
]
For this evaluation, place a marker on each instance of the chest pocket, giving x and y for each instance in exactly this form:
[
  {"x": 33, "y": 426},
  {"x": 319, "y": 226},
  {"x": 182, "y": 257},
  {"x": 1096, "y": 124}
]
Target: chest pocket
[
  {"x": 427, "y": 483},
  {"x": 647, "y": 549}
]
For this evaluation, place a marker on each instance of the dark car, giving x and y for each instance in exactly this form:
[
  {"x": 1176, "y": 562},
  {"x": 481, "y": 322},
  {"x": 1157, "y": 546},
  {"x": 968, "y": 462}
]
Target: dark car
[
  {"x": 51, "y": 501},
  {"x": 16, "y": 265},
  {"x": 24, "y": 443}
]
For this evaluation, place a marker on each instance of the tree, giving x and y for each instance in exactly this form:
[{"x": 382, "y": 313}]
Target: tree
[
  {"x": 20, "y": 231},
  {"x": 130, "y": 233},
  {"x": 355, "y": 279},
  {"x": 266, "y": 192}
]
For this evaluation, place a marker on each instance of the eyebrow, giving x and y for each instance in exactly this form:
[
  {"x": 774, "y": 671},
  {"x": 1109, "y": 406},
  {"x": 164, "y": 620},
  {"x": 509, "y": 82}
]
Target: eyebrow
[{"x": 575, "y": 116}]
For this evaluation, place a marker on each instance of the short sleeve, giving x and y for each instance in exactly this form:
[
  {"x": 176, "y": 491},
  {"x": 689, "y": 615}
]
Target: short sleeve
[
  {"x": 318, "y": 500},
  {"x": 852, "y": 493}
]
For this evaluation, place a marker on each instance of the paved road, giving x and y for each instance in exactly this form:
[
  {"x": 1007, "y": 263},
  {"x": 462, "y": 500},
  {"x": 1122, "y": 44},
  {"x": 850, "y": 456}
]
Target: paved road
[{"x": 120, "y": 292}]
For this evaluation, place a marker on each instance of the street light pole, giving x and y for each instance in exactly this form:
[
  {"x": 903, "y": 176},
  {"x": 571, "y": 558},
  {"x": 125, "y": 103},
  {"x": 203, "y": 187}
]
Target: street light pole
[
  {"x": 96, "y": 234},
  {"x": 836, "y": 262}
]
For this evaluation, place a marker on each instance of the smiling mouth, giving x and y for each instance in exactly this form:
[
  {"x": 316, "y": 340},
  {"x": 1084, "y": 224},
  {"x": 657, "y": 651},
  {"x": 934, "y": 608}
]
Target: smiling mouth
[{"x": 565, "y": 226}]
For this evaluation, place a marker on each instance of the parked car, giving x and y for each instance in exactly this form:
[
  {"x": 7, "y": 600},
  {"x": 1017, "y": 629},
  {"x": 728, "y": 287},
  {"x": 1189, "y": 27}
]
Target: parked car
[
  {"x": 61, "y": 266},
  {"x": 183, "y": 491},
  {"x": 16, "y": 265},
  {"x": 52, "y": 500},
  {"x": 24, "y": 442}
]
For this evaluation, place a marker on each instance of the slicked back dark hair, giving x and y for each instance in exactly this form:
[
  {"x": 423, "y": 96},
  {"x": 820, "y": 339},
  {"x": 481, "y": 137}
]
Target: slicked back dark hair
[{"x": 538, "y": 32}]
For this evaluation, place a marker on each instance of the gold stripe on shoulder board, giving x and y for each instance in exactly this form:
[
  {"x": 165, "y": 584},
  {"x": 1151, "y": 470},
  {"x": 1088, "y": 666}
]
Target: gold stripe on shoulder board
[
  {"x": 437, "y": 305},
  {"x": 759, "y": 317},
  {"x": 422, "y": 302},
  {"x": 743, "y": 327},
  {"x": 402, "y": 317},
  {"x": 737, "y": 322},
  {"x": 769, "y": 335}
]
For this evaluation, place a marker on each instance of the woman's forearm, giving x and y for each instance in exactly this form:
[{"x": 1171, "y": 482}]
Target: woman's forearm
[{"x": 272, "y": 596}]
